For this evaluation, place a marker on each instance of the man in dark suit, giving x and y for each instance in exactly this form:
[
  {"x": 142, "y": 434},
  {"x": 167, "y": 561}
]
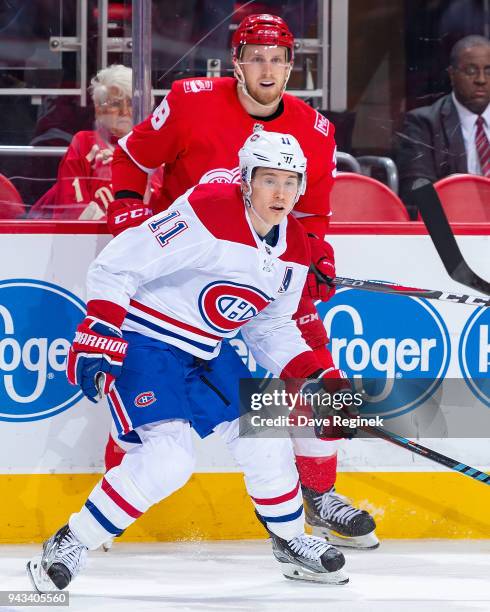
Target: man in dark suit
[{"x": 452, "y": 135}]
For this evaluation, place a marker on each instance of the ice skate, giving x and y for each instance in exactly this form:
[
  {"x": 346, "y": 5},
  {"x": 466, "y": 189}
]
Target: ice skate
[
  {"x": 63, "y": 557},
  {"x": 309, "y": 558},
  {"x": 331, "y": 516}
]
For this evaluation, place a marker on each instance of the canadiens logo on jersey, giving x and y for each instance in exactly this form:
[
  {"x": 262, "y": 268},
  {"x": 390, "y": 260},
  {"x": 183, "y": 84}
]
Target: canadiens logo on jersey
[
  {"x": 225, "y": 306},
  {"x": 197, "y": 85},
  {"x": 221, "y": 175},
  {"x": 145, "y": 399}
]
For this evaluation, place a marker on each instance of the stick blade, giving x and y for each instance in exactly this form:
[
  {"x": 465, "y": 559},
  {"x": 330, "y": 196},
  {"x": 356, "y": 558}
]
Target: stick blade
[{"x": 427, "y": 200}]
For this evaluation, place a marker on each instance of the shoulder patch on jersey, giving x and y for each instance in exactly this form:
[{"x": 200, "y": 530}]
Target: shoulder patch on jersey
[
  {"x": 220, "y": 209},
  {"x": 197, "y": 85},
  {"x": 322, "y": 124},
  {"x": 286, "y": 281}
]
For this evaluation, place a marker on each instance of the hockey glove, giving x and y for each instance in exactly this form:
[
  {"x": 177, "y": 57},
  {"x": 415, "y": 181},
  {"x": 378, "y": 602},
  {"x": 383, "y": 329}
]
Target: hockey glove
[
  {"x": 329, "y": 393},
  {"x": 125, "y": 213},
  {"x": 95, "y": 358},
  {"x": 322, "y": 258}
]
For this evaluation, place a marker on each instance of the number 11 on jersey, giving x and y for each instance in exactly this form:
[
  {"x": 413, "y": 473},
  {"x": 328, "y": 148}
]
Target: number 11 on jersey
[{"x": 164, "y": 236}]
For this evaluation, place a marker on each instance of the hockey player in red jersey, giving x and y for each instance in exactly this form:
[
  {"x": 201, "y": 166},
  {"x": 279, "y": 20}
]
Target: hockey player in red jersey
[
  {"x": 153, "y": 341},
  {"x": 196, "y": 132}
]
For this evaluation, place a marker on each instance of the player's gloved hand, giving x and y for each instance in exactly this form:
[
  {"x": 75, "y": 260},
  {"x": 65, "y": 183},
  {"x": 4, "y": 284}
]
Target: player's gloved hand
[
  {"x": 332, "y": 396},
  {"x": 95, "y": 358},
  {"x": 323, "y": 260},
  {"x": 126, "y": 212}
]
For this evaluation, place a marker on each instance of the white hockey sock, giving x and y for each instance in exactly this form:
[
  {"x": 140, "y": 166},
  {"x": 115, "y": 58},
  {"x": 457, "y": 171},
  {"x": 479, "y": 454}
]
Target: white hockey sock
[
  {"x": 146, "y": 475},
  {"x": 271, "y": 479},
  {"x": 113, "y": 505},
  {"x": 283, "y": 513}
]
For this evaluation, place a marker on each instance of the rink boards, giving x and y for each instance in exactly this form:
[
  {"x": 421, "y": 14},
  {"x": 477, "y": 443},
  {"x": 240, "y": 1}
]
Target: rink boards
[{"x": 52, "y": 441}]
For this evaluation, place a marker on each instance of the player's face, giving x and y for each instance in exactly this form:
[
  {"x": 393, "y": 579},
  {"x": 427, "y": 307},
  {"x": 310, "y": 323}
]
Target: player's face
[
  {"x": 274, "y": 193},
  {"x": 471, "y": 78},
  {"x": 265, "y": 70},
  {"x": 115, "y": 113}
]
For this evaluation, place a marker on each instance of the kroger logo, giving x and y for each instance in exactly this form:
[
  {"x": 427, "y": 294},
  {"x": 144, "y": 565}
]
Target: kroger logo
[
  {"x": 474, "y": 354},
  {"x": 388, "y": 338},
  {"x": 37, "y": 322}
]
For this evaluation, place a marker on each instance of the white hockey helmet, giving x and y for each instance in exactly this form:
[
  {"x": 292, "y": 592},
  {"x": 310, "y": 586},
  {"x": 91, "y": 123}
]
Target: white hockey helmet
[{"x": 272, "y": 150}]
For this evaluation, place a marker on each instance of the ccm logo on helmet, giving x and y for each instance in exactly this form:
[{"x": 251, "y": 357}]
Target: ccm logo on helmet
[{"x": 225, "y": 306}]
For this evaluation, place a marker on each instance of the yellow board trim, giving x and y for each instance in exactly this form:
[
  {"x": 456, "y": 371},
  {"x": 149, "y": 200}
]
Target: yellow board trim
[{"x": 217, "y": 507}]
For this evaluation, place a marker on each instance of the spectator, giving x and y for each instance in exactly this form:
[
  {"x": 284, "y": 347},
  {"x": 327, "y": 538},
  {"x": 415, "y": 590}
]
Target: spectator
[
  {"x": 83, "y": 189},
  {"x": 452, "y": 135}
]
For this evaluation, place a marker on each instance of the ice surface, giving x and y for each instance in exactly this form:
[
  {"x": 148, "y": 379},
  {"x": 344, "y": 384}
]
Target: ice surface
[{"x": 401, "y": 576}]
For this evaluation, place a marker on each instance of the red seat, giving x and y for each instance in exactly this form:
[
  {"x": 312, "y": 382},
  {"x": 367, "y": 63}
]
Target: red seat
[
  {"x": 356, "y": 197},
  {"x": 465, "y": 198},
  {"x": 11, "y": 204}
]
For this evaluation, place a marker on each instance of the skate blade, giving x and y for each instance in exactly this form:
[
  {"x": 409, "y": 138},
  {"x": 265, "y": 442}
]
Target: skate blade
[
  {"x": 296, "y": 572},
  {"x": 365, "y": 542},
  {"x": 41, "y": 582}
]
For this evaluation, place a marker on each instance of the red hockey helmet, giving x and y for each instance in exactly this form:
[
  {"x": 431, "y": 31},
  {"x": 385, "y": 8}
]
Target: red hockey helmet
[{"x": 262, "y": 29}]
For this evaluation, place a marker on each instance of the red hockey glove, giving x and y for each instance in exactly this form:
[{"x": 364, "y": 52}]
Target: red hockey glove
[
  {"x": 322, "y": 258},
  {"x": 125, "y": 213},
  {"x": 332, "y": 396}
]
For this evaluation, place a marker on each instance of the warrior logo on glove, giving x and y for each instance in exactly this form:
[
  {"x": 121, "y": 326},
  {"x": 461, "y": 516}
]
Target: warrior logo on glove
[{"x": 95, "y": 358}]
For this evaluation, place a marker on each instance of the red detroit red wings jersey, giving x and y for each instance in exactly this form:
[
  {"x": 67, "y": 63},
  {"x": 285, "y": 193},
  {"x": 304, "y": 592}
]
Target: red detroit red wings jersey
[{"x": 198, "y": 129}]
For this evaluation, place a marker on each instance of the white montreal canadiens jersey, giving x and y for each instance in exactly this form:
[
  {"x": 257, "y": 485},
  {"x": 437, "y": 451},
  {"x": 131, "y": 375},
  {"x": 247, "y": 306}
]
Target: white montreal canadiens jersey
[{"x": 197, "y": 273}]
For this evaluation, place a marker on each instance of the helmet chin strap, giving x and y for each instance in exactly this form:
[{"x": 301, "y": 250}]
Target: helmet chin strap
[
  {"x": 240, "y": 77},
  {"x": 247, "y": 198}
]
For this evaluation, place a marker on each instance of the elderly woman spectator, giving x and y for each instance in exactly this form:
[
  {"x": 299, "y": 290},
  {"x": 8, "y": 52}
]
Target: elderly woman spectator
[{"x": 83, "y": 189}]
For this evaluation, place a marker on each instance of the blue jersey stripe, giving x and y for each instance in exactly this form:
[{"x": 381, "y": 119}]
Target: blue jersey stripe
[{"x": 171, "y": 334}]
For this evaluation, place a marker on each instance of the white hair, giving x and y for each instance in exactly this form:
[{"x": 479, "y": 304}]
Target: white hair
[{"x": 118, "y": 76}]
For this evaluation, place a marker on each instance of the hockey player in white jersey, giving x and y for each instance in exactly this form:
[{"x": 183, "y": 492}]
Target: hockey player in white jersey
[{"x": 161, "y": 298}]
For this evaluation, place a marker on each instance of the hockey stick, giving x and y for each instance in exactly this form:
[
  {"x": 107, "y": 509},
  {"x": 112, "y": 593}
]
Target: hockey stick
[
  {"x": 428, "y": 453},
  {"x": 429, "y": 294},
  {"x": 426, "y": 199}
]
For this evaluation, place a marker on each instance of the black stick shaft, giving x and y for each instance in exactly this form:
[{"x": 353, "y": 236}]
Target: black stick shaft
[
  {"x": 429, "y": 294},
  {"x": 428, "y": 453}
]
